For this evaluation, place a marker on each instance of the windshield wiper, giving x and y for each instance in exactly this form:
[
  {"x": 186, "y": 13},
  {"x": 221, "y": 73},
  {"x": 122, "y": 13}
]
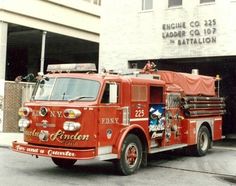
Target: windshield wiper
[{"x": 79, "y": 98}]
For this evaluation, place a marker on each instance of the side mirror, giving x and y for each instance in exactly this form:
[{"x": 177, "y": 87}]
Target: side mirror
[{"x": 113, "y": 93}]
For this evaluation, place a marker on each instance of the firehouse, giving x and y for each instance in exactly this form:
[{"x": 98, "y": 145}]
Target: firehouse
[{"x": 119, "y": 117}]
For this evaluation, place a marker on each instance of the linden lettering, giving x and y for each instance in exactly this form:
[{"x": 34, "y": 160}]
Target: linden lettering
[{"x": 62, "y": 136}]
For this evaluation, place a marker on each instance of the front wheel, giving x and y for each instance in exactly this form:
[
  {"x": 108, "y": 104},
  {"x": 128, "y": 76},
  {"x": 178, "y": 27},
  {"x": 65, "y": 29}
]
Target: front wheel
[
  {"x": 131, "y": 155},
  {"x": 64, "y": 163},
  {"x": 203, "y": 142}
]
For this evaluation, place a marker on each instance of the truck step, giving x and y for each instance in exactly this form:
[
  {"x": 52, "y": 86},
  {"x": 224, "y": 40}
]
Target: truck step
[{"x": 166, "y": 148}]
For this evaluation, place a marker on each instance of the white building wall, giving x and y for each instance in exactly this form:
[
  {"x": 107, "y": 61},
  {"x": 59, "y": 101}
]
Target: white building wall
[
  {"x": 207, "y": 29},
  {"x": 131, "y": 34},
  {"x": 127, "y": 33},
  {"x": 74, "y": 18}
]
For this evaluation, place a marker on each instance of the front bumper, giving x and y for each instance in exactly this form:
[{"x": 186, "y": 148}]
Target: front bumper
[{"x": 53, "y": 151}]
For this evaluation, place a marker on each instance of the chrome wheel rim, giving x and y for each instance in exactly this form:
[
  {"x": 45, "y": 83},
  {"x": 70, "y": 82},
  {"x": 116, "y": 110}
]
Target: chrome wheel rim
[
  {"x": 204, "y": 141},
  {"x": 131, "y": 155}
]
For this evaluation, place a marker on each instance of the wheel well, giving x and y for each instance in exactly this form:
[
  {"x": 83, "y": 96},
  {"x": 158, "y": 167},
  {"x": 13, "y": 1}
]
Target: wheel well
[
  {"x": 207, "y": 125},
  {"x": 143, "y": 139}
]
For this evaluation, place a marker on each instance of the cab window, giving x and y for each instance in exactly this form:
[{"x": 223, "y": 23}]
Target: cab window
[
  {"x": 110, "y": 93},
  {"x": 139, "y": 93}
]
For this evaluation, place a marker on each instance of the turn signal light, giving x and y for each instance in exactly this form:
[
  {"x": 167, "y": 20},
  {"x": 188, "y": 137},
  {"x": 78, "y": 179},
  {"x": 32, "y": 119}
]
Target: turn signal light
[
  {"x": 72, "y": 113},
  {"x": 24, "y": 111}
]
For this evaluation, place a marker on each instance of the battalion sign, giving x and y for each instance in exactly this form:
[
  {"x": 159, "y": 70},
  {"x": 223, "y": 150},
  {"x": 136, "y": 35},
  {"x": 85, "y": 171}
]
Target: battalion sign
[{"x": 190, "y": 33}]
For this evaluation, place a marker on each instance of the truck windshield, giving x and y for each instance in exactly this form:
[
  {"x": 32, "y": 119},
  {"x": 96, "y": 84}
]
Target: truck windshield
[{"x": 68, "y": 89}]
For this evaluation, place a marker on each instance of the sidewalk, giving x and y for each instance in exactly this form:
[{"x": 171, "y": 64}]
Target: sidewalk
[{"x": 6, "y": 139}]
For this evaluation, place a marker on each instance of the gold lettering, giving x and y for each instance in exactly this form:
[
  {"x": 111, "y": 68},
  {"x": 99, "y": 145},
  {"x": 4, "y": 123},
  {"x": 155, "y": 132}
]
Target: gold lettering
[
  {"x": 59, "y": 114},
  {"x": 33, "y": 133},
  {"x": 62, "y": 136},
  {"x": 35, "y": 113},
  {"x": 52, "y": 114},
  {"x": 54, "y": 136}
]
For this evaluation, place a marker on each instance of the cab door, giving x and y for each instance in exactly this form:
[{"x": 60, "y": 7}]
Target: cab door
[{"x": 110, "y": 114}]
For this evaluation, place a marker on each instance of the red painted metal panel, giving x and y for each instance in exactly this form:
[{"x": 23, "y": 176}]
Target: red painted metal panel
[
  {"x": 54, "y": 152},
  {"x": 188, "y": 132},
  {"x": 217, "y": 133}
]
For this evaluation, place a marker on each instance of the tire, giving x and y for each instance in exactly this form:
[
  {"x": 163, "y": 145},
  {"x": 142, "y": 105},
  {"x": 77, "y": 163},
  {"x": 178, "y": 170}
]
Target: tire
[
  {"x": 131, "y": 155},
  {"x": 64, "y": 163},
  {"x": 203, "y": 142}
]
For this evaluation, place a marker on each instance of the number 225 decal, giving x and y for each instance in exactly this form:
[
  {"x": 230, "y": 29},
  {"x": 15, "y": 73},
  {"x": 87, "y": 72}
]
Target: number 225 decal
[{"x": 139, "y": 113}]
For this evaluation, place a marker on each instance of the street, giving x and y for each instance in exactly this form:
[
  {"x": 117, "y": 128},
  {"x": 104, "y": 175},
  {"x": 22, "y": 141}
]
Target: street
[{"x": 217, "y": 168}]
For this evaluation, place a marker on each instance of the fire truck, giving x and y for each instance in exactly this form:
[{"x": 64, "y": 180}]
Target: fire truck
[{"x": 120, "y": 118}]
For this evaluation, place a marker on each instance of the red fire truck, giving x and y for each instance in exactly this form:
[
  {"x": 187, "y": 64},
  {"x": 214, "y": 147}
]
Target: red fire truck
[{"x": 121, "y": 118}]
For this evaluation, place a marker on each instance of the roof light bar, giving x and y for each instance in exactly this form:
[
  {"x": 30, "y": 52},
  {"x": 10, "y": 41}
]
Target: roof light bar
[{"x": 80, "y": 67}]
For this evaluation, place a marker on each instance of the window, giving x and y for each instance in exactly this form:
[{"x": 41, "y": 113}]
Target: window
[
  {"x": 156, "y": 94},
  {"x": 206, "y": 1},
  {"x": 147, "y": 4},
  {"x": 73, "y": 89},
  {"x": 108, "y": 94},
  {"x": 173, "y": 3},
  {"x": 139, "y": 93}
]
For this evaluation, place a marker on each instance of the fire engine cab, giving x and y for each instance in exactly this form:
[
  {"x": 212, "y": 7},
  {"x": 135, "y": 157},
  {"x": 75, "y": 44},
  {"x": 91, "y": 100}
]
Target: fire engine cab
[{"x": 121, "y": 118}]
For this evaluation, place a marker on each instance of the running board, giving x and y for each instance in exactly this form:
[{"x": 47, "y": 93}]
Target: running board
[
  {"x": 107, "y": 157},
  {"x": 162, "y": 149}
]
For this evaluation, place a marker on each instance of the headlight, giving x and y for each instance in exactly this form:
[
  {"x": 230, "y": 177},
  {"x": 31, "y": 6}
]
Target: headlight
[
  {"x": 71, "y": 126},
  {"x": 72, "y": 113},
  {"x": 23, "y": 123},
  {"x": 24, "y": 111}
]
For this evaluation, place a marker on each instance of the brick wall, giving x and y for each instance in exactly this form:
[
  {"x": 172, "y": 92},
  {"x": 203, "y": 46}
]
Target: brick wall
[{"x": 15, "y": 95}]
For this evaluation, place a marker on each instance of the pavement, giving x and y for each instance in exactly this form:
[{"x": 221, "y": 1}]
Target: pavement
[{"x": 6, "y": 140}]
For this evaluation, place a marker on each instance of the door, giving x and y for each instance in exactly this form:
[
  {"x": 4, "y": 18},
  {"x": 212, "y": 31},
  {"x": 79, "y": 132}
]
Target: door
[{"x": 110, "y": 114}]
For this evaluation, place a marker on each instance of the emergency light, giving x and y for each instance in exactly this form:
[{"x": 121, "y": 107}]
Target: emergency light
[{"x": 76, "y": 67}]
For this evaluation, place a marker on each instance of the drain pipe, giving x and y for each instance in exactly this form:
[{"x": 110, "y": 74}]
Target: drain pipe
[{"x": 43, "y": 52}]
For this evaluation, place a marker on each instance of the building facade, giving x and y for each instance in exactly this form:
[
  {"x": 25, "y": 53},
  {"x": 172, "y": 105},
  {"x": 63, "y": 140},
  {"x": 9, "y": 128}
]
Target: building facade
[{"x": 178, "y": 35}]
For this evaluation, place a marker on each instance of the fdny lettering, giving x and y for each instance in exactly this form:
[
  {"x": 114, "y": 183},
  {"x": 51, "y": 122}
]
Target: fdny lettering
[{"x": 110, "y": 120}]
